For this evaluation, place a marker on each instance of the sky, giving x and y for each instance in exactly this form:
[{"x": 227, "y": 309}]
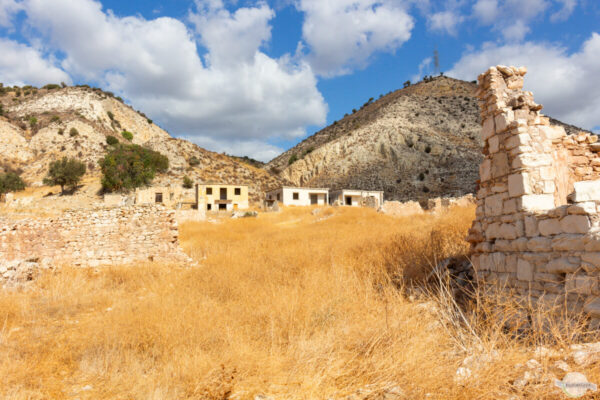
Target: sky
[{"x": 253, "y": 78}]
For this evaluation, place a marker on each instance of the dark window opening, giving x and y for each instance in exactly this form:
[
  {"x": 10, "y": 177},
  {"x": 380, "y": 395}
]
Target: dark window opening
[
  {"x": 238, "y": 191},
  {"x": 278, "y": 196},
  {"x": 295, "y": 195},
  {"x": 222, "y": 206},
  {"x": 208, "y": 191},
  {"x": 209, "y": 207},
  {"x": 314, "y": 199},
  {"x": 223, "y": 194},
  {"x": 348, "y": 200},
  {"x": 158, "y": 198}
]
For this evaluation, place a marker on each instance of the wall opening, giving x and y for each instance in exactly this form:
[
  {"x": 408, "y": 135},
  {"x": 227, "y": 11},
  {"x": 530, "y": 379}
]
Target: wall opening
[{"x": 158, "y": 197}]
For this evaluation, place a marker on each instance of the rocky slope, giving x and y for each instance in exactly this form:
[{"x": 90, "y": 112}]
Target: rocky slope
[
  {"x": 41, "y": 125},
  {"x": 415, "y": 143}
]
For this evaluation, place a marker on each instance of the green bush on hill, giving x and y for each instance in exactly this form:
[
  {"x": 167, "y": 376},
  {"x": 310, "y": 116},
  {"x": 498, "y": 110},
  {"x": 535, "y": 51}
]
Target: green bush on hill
[
  {"x": 129, "y": 166},
  {"x": 66, "y": 172},
  {"x": 188, "y": 183},
  {"x": 112, "y": 140},
  {"x": 11, "y": 182},
  {"x": 127, "y": 135}
]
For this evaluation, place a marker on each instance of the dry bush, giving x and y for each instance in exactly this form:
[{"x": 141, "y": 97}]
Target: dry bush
[{"x": 292, "y": 305}]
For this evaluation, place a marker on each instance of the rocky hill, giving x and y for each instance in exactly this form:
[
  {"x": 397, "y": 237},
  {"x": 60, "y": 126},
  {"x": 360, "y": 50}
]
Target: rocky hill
[
  {"x": 419, "y": 142},
  {"x": 41, "y": 125}
]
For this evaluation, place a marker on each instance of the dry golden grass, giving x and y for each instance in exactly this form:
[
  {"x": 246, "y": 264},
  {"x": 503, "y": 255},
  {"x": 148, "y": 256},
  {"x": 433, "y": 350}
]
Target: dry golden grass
[{"x": 292, "y": 305}]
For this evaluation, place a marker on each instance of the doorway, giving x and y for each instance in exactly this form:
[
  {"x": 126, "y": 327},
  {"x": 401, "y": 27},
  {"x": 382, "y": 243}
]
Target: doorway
[
  {"x": 314, "y": 199},
  {"x": 348, "y": 200}
]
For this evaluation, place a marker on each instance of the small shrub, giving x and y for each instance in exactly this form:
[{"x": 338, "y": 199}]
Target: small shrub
[
  {"x": 33, "y": 121},
  {"x": 292, "y": 159},
  {"x": 149, "y": 121},
  {"x": 112, "y": 140},
  {"x": 188, "y": 183},
  {"x": 110, "y": 115},
  {"x": 51, "y": 86},
  {"x": 73, "y": 132},
  {"x": 55, "y": 118},
  {"x": 307, "y": 151},
  {"x": 66, "y": 173},
  {"x": 193, "y": 161},
  {"x": 119, "y": 99},
  {"x": 64, "y": 85},
  {"x": 11, "y": 182},
  {"x": 61, "y": 131},
  {"x": 1, "y": 110},
  {"x": 353, "y": 110},
  {"x": 127, "y": 135}
]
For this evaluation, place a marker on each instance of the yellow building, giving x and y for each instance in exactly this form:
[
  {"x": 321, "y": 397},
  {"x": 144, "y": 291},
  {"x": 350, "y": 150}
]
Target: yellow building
[{"x": 222, "y": 197}]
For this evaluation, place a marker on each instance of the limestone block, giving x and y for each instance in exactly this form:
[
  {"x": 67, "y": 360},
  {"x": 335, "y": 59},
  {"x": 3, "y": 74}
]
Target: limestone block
[
  {"x": 493, "y": 231},
  {"x": 587, "y": 207},
  {"x": 537, "y": 202},
  {"x": 575, "y": 224},
  {"x": 531, "y": 226},
  {"x": 560, "y": 266},
  {"x": 510, "y": 206},
  {"x": 503, "y": 120},
  {"x": 485, "y": 170},
  {"x": 591, "y": 258},
  {"x": 568, "y": 242},
  {"x": 499, "y": 187},
  {"x": 521, "y": 139},
  {"x": 494, "y": 205},
  {"x": 520, "y": 244},
  {"x": 508, "y": 231},
  {"x": 549, "y": 227},
  {"x": 524, "y": 270},
  {"x": 532, "y": 161},
  {"x": 494, "y": 144},
  {"x": 498, "y": 262},
  {"x": 552, "y": 132},
  {"x": 502, "y": 245},
  {"x": 511, "y": 263},
  {"x": 592, "y": 241},
  {"x": 580, "y": 283},
  {"x": 518, "y": 185},
  {"x": 586, "y": 191},
  {"x": 499, "y": 165},
  {"x": 592, "y": 307},
  {"x": 488, "y": 128},
  {"x": 539, "y": 244}
]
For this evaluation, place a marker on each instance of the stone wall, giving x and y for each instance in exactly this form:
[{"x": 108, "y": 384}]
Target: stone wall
[
  {"x": 117, "y": 235},
  {"x": 537, "y": 225}
]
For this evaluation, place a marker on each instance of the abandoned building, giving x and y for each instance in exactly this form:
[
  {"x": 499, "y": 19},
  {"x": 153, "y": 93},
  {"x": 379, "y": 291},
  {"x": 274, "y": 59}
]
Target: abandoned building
[
  {"x": 537, "y": 226},
  {"x": 168, "y": 196},
  {"x": 299, "y": 196},
  {"x": 222, "y": 197},
  {"x": 356, "y": 198}
]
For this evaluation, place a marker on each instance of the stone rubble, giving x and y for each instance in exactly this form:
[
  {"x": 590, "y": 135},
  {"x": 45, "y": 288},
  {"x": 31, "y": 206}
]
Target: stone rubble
[{"x": 537, "y": 228}]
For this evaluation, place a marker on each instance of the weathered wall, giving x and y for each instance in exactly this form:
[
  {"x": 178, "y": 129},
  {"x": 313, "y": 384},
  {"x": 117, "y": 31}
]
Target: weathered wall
[
  {"x": 536, "y": 227},
  {"x": 118, "y": 235}
]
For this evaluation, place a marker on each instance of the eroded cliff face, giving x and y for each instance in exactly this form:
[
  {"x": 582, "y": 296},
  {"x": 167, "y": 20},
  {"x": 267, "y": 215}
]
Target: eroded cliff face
[
  {"x": 416, "y": 143},
  {"x": 36, "y": 129}
]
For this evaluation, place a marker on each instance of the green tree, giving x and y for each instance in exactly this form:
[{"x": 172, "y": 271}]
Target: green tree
[
  {"x": 129, "y": 166},
  {"x": 11, "y": 182},
  {"x": 65, "y": 173},
  {"x": 188, "y": 183}
]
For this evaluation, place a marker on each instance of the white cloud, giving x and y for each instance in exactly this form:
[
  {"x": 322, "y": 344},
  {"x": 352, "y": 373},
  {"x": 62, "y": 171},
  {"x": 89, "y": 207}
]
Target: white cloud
[
  {"x": 240, "y": 96},
  {"x": 7, "y": 10},
  {"x": 445, "y": 21},
  {"x": 565, "y": 12},
  {"x": 344, "y": 34},
  {"x": 566, "y": 84},
  {"x": 21, "y": 64}
]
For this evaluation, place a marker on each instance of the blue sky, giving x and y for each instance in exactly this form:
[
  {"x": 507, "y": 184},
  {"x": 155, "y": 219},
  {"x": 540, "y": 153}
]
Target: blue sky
[{"x": 255, "y": 77}]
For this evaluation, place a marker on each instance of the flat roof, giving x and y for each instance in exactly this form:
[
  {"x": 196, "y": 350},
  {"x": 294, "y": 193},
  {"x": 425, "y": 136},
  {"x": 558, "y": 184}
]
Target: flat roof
[
  {"x": 298, "y": 187},
  {"x": 221, "y": 184},
  {"x": 356, "y": 190}
]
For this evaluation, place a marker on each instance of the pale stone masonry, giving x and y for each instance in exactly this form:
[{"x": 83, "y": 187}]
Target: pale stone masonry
[
  {"x": 104, "y": 236},
  {"x": 537, "y": 227}
]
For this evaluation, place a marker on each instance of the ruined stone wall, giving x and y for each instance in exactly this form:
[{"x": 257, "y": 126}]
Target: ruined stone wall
[
  {"x": 536, "y": 227},
  {"x": 117, "y": 235}
]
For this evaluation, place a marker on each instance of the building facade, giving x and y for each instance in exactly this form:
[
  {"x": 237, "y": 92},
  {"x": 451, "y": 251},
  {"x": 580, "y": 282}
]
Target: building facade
[
  {"x": 221, "y": 197},
  {"x": 356, "y": 198},
  {"x": 297, "y": 196}
]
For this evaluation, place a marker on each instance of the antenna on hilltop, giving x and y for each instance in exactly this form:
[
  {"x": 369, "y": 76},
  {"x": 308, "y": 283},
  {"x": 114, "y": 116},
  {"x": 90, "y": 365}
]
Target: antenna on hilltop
[{"x": 436, "y": 61}]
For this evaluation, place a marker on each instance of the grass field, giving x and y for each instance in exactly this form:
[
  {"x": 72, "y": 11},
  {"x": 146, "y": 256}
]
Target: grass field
[{"x": 290, "y": 305}]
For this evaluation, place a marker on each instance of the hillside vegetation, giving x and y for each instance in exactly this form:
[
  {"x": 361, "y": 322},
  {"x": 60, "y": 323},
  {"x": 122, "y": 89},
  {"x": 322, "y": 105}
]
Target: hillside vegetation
[{"x": 289, "y": 305}]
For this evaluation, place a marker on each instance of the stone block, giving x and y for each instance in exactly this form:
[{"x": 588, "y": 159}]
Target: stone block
[
  {"x": 591, "y": 258},
  {"x": 499, "y": 165},
  {"x": 518, "y": 185},
  {"x": 510, "y": 206},
  {"x": 592, "y": 307},
  {"x": 539, "y": 244},
  {"x": 488, "y": 128},
  {"x": 494, "y": 144},
  {"x": 575, "y": 224},
  {"x": 508, "y": 231},
  {"x": 552, "y": 132},
  {"x": 524, "y": 270},
  {"x": 520, "y": 244},
  {"x": 485, "y": 170},
  {"x": 493, "y": 231},
  {"x": 586, "y": 191},
  {"x": 503, "y": 120},
  {"x": 581, "y": 284},
  {"x": 587, "y": 207},
  {"x": 494, "y": 205},
  {"x": 537, "y": 202},
  {"x": 531, "y": 226},
  {"x": 568, "y": 242},
  {"x": 549, "y": 227},
  {"x": 592, "y": 241},
  {"x": 560, "y": 266}
]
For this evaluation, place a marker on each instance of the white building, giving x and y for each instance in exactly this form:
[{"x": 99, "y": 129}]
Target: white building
[
  {"x": 297, "y": 196},
  {"x": 356, "y": 198}
]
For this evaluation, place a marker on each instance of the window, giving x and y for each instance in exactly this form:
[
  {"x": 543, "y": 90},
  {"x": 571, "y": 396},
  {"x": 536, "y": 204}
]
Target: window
[
  {"x": 223, "y": 193},
  {"x": 278, "y": 196},
  {"x": 222, "y": 206},
  {"x": 209, "y": 191},
  {"x": 209, "y": 207},
  {"x": 295, "y": 195},
  {"x": 238, "y": 191},
  {"x": 158, "y": 198}
]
